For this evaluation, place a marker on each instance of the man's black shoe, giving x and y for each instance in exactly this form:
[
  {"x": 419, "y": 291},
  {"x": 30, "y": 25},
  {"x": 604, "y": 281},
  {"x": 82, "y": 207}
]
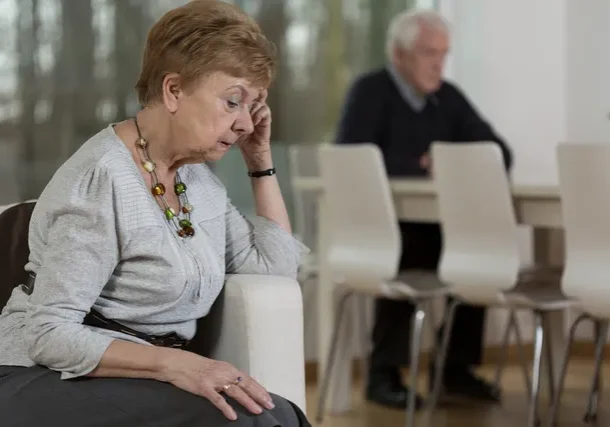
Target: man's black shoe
[
  {"x": 462, "y": 382},
  {"x": 387, "y": 389}
]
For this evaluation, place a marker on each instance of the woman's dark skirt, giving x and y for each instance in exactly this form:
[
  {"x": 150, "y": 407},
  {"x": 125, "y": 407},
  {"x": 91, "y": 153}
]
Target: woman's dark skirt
[{"x": 37, "y": 397}]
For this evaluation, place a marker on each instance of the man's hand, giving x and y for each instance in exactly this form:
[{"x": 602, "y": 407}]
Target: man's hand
[{"x": 425, "y": 162}]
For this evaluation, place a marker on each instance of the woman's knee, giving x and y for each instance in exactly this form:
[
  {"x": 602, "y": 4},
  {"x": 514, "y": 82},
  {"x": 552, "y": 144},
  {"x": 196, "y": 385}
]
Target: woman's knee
[{"x": 286, "y": 412}]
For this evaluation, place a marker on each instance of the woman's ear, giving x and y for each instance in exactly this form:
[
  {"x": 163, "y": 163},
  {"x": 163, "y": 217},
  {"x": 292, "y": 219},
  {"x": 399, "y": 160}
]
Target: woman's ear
[{"x": 172, "y": 91}]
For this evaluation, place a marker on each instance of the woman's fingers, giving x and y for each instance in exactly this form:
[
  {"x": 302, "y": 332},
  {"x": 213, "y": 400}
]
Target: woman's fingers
[
  {"x": 262, "y": 117},
  {"x": 263, "y": 96},
  {"x": 220, "y": 402},
  {"x": 260, "y": 112},
  {"x": 242, "y": 397},
  {"x": 257, "y": 392}
]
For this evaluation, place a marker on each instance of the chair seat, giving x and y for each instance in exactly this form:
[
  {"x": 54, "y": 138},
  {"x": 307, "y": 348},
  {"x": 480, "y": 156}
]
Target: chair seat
[
  {"x": 544, "y": 298},
  {"x": 414, "y": 284},
  {"x": 538, "y": 288},
  {"x": 540, "y": 273}
]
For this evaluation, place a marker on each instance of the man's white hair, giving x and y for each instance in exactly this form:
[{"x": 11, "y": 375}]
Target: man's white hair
[{"x": 405, "y": 28}]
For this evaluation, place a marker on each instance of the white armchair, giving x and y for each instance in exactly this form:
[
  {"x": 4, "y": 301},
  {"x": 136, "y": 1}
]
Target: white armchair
[{"x": 259, "y": 324}]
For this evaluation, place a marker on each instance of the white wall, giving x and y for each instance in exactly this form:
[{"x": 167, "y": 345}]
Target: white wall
[
  {"x": 510, "y": 58},
  {"x": 588, "y": 71}
]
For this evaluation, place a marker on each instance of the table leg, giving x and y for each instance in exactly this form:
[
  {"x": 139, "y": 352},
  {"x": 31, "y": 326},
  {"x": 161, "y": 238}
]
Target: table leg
[
  {"x": 340, "y": 385},
  {"x": 548, "y": 250}
]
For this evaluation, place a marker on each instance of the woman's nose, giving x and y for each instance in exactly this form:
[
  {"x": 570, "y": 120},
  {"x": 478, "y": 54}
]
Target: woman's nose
[{"x": 243, "y": 123}]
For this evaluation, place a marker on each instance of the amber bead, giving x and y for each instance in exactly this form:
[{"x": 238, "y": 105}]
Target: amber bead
[
  {"x": 158, "y": 189},
  {"x": 180, "y": 188},
  {"x": 181, "y": 233},
  {"x": 186, "y": 208},
  {"x": 185, "y": 223},
  {"x": 190, "y": 231}
]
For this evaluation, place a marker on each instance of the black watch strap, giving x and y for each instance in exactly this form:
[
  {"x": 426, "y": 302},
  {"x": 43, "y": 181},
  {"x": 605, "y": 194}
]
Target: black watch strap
[{"x": 259, "y": 174}]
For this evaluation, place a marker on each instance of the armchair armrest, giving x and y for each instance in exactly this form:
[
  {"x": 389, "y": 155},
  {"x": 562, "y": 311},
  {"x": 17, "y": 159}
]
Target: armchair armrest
[{"x": 261, "y": 332}]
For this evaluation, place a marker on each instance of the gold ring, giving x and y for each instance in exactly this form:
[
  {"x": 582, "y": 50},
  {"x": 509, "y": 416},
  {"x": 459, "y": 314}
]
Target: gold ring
[{"x": 226, "y": 387}]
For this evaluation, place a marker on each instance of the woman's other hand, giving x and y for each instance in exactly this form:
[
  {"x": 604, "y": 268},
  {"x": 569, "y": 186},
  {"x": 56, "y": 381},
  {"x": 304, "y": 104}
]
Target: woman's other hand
[{"x": 213, "y": 379}]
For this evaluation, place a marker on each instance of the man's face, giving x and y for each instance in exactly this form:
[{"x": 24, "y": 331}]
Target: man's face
[{"x": 422, "y": 65}]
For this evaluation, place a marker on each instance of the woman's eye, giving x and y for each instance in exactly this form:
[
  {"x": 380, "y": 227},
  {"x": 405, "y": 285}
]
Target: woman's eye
[{"x": 233, "y": 104}]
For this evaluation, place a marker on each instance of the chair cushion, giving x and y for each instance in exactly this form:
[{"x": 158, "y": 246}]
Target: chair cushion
[
  {"x": 14, "y": 251},
  {"x": 414, "y": 284}
]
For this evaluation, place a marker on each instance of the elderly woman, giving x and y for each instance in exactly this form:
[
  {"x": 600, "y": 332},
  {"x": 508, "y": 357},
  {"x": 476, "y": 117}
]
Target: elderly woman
[{"x": 131, "y": 240}]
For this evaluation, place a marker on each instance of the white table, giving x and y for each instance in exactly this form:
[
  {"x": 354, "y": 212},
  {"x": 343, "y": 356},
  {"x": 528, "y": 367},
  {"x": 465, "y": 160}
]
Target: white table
[{"x": 415, "y": 200}]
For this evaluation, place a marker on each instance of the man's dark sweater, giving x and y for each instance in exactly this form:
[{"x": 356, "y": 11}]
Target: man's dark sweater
[{"x": 376, "y": 112}]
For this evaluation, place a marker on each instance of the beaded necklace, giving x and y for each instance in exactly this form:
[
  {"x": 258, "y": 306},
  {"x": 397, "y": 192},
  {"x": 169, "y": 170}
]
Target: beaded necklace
[{"x": 183, "y": 225}]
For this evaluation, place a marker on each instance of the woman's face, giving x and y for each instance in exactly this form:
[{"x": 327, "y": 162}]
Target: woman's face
[{"x": 210, "y": 117}]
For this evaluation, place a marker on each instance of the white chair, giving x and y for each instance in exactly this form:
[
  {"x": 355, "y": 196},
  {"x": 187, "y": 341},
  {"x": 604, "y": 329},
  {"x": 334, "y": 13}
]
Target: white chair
[
  {"x": 365, "y": 246},
  {"x": 481, "y": 258},
  {"x": 584, "y": 180}
]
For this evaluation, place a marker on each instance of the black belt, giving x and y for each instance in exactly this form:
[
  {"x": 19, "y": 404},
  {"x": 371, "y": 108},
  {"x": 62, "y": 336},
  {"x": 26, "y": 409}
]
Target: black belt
[{"x": 96, "y": 319}]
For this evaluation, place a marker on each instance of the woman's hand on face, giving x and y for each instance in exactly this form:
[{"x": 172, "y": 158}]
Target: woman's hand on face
[
  {"x": 259, "y": 141},
  {"x": 213, "y": 379}
]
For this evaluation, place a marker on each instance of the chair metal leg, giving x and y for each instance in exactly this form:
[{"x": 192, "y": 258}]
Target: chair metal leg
[
  {"x": 441, "y": 354},
  {"x": 364, "y": 336},
  {"x": 332, "y": 355},
  {"x": 504, "y": 347},
  {"x": 532, "y": 419},
  {"x": 522, "y": 356},
  {"x": 548, "y": 348},
  {"x": 419, "y": 316},
  {"x": 564, "y": 369},
  {"x": 601, "y": 333},
  {"x": 431, "y": 315}
]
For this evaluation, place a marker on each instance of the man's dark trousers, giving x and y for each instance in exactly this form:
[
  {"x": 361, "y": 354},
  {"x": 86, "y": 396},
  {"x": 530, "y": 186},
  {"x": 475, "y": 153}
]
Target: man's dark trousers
[{"x": 421, "y": 249}]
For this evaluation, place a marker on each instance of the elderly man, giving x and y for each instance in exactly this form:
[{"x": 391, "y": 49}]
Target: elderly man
[{"x": 403, "y": 108}]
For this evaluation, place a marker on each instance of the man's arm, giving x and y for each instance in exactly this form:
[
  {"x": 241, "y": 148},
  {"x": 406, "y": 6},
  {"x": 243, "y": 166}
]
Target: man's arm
[
  {"x": 362, "y": 114},
  {"x": 472, "y": 128},
  {"x": 364, "y": 121}
]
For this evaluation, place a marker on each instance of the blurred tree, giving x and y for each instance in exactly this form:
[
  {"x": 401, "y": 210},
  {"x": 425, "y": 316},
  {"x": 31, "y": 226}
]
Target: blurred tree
[
  {"x": 27, "y": 42},
  {"x": 74, "y": 90},
  {"x": 131, "y": 23},
  {"x": 274, "y": 22},
  {"x": 335, "y": 60}
]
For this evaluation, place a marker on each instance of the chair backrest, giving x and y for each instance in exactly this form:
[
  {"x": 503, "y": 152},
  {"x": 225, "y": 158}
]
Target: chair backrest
[
  {"x": 14, "y": 250},
  {"x": 304, "y": 164},
  {"x": 481, "y": 254},
  {"x": 364, "y": 237},
  {"x": 584, "y": 181}
]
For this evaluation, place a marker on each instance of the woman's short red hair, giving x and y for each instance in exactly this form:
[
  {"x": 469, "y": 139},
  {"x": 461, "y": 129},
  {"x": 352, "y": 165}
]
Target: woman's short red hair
[{"x": 200, "y": 38}]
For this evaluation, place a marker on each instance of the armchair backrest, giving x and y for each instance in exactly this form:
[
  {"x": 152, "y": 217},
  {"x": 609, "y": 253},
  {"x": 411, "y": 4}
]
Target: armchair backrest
[{"x": 14, "y": 250}]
